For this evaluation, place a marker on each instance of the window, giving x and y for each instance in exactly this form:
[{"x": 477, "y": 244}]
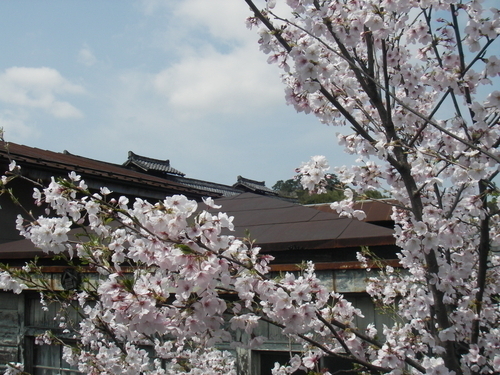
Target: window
[{"x": 45, "y": 359}]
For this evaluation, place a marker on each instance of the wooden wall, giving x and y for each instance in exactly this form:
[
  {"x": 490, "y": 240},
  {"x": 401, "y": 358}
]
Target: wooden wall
[{"x": 11, "y": 328}]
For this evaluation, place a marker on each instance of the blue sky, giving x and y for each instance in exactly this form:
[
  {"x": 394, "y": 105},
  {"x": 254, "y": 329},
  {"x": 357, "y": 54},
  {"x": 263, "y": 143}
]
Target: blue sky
[{"x": 178, "y": 80}]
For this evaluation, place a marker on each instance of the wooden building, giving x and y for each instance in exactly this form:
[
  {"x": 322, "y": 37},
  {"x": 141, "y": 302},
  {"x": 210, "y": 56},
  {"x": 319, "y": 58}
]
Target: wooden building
[{"x": 290, "y": 232}]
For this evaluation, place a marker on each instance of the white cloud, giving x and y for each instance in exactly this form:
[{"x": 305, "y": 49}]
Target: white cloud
[
  {"x": 212, "y": 82},
  {"x": 86, "y": 56},
  {"x": 225, "y": 19},
  {"x": 37, "y": 88}
]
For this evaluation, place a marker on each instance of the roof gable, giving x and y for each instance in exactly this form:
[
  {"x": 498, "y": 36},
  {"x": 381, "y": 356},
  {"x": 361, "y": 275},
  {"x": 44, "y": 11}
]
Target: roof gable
[
  {"x": 151, "y": 165},
  {"x": 246, "y": 184}
]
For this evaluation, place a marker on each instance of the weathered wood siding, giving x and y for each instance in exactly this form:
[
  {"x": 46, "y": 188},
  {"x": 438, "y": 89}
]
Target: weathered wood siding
[{"x": 11, "y": 326}]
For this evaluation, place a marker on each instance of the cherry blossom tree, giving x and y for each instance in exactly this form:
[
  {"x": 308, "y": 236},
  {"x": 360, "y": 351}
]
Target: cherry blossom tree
[{"x": 412, "y": 79}]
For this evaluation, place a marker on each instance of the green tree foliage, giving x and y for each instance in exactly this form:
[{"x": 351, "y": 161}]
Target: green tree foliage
[{"x": 292, "y": 188}]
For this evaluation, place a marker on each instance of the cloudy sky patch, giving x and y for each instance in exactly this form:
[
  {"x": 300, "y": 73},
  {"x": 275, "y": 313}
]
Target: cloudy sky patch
[
  {"x": 86, "y": 56},
  {"x": 39, "y": 88},
  {"x": 239, "y": 82},
  {"x": 178, "y": 80}
]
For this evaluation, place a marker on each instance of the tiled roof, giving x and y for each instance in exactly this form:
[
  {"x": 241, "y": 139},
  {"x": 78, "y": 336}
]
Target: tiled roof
[
  {"x": 38, "y": 162},
  {"x": 149, "y": 174},
  {"x": 379, "y": 210},
  {"x": 253, "y": 186},
  {"x": 212, "y": 187},
  {"x": 150, "y": 164},
  {"x": 276, "y": 224}
]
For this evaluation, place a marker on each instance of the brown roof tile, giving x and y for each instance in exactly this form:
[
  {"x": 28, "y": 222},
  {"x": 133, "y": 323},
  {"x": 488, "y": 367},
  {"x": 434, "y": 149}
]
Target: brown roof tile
[
  {"x": 375, "y": 210},
  {"x": 277, "y": 224}
]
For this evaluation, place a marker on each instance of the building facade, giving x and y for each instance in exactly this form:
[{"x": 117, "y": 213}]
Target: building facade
[{"x": 290, "y": 232}]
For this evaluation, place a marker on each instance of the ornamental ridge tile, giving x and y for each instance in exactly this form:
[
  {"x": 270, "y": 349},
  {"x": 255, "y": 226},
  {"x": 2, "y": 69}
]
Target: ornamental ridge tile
[
  {"x": 253, "y": 185},
  {"x": 149, "y": 164}
]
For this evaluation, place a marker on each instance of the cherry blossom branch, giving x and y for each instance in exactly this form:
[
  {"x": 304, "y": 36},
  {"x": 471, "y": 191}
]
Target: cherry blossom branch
[
  {"x": 369, "y": 90},
  {"x": 269, "y": 25},
  {"x": 449, "y": 91},
  {"x": 428, "y": 19},
  {"x": 365, "y": 338},
  {"x": 327, "y": 351},
  {"x": 461, "y": 56},
  {"x": 484, "y": 247}
]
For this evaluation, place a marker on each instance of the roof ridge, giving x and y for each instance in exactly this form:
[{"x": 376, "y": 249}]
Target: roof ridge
[
  {"x": 29, "y": 154},
  {"x": 151, "y": 164},
  {"x": 132, "y": 155},
  {"x": 244, "y": 179}
]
